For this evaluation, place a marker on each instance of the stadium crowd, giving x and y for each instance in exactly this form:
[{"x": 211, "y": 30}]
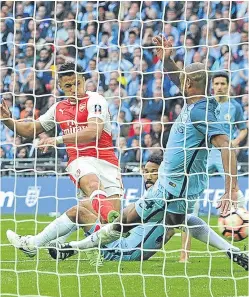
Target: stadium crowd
[{"x": 112, "y": 41}]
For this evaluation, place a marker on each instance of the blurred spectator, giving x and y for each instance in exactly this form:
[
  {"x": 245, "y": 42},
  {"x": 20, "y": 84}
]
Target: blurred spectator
[
  {"x": 125, "y": 154},
  {"x": 116, "y": 107},
  {"x": 22, "y": 152},
  {"x": 29, "y": 111},
  {"x": 145, "y": 152},
  {"x": 113, "y": 85},
  {"x": 176, "y": 111},
  {"x": 15, "y": 111},
  {"x": 153, "y": 107},
  {"x": 112, "y": 41},
  {"x": 136, "y": 106},
  {"x": 138, "y": 134}
]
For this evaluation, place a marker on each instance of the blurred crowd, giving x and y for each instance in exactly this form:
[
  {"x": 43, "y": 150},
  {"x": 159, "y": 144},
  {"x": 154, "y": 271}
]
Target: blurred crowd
[{"x": 112, "y": 41}]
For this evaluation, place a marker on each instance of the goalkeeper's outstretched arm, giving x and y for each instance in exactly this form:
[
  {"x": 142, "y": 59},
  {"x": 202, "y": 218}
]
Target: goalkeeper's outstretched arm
[{"x": 24, "y": 129}]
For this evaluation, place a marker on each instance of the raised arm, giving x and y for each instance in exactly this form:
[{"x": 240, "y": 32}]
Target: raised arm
[
  {"x": 24, "y": 129},
  {"x": 164, "y": 51}
]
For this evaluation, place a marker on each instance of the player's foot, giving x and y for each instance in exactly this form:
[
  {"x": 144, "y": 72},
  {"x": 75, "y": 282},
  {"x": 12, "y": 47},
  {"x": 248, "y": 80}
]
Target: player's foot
[
  {"x": 61, "y": 251},
  {"x": 22, "y": 243},
  {"x": 184, "y": 258},
  {"x": 65, "y": 251},
  {"x": 112, "y": 216},
  {"x": 240, "y": 258}
]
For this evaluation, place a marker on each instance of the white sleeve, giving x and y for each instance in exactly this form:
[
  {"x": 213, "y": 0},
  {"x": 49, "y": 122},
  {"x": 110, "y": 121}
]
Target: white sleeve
[
  {"x": 97, "y": 106},
  {"x": 47, "y": 120}
]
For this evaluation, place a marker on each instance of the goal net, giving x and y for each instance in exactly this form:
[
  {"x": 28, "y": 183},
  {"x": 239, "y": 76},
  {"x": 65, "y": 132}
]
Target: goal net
[{"x": 113, "y": 43}]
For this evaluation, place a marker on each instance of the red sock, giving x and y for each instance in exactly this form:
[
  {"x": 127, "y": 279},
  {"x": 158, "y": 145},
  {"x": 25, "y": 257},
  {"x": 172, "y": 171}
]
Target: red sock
[
  {"x": 102, "y": 206},
  {"x": 97, "y": 227}
]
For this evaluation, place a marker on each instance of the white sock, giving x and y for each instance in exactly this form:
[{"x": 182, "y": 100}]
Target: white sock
[
  {"x": 103, "y": 236},
  {"x": 201, "y": 231},
  {"x": 241, "y": 199},
  {"x": 59, "y": 227},
  {"x": 63, "y": 239}
]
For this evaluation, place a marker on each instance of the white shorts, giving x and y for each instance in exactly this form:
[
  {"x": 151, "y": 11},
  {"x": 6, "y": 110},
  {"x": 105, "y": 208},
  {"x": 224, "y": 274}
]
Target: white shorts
[{"x": 108, "y": 174}]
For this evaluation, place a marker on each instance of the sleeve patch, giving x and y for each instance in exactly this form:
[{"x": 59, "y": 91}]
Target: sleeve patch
[{"x": 97, "y": 109}]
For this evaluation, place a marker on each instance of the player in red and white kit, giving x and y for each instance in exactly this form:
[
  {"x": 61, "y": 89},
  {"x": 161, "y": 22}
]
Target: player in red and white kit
[{"x": 85, "y": 122}]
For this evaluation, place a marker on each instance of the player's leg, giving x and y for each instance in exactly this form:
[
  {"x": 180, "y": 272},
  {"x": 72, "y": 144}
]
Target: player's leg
[
  {"x": 202, "y": 232},
  {"x": 186, "y": 246},
  {"x": 98, "y": 181},
  {"x": 90, "y": 184},
  {"x": 141, "y": 244},
  {"x": 62, "y": 226},
  {"x": 150, "y": 209},
  {"x": 88, "y": 221},
  {"x": 186, "y": 238},
  {"x": 199, "y": 229}
]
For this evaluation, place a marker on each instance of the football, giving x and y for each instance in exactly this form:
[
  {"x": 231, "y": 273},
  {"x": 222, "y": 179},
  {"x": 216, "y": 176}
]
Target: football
[{"x": 235, "y": 225}]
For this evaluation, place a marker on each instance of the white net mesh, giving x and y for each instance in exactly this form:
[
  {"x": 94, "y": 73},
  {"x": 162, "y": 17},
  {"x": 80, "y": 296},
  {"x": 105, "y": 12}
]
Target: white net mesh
[{"x": 113, "y": 43}]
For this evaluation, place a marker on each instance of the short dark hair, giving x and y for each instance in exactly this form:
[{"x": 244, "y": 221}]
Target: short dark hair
[
  {"x": 69, "y": 69},
  {"x": 221, "y": 74},
  {"x": 155, "y": 158},
  {"x": 30, "y": 98},
  {"x": 132, "y": 32}
]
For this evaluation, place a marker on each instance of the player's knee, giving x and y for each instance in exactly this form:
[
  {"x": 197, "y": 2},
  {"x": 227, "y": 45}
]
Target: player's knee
[
  {"x": 89, "y": 183},
  {"x": 76, "y": 213},
  {"x": 72, "y": 213}
]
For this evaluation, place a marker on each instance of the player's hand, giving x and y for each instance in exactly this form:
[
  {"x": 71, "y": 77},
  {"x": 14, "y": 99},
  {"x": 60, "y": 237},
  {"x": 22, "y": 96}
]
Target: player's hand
[
  {"x": 227, "y": 201},
  {"x": 235, "y": 143},
  {"x": 164, "y": 49},
  {"x": 4, "y": 110},
  {"x": 44, "y": 144}
]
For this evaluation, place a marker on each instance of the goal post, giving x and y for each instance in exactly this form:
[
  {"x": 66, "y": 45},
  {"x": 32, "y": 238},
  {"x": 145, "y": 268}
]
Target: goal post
[{"x": 113, "y": 43}]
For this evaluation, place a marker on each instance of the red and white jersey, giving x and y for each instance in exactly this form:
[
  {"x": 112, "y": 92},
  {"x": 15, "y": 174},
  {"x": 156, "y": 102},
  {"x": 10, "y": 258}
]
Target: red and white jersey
[{"x": 73, "y": 118}]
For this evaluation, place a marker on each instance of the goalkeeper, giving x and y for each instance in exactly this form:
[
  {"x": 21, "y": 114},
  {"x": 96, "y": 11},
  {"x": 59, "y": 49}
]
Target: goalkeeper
[{"x": 183, "y": 173}]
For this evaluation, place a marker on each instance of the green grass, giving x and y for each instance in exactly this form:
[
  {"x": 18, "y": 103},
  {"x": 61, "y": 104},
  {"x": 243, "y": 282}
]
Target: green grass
[{"x": 207, "y": 274}]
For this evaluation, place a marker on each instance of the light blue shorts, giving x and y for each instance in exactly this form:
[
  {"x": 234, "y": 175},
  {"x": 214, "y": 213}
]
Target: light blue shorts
[
  {"x": 141, "y": 244},
  {"x": 158, "y": 201}
]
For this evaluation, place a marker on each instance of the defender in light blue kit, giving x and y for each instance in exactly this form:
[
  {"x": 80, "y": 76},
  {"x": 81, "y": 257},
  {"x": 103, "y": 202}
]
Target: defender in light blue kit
[
  {"x": 183, "y": 173},
  {"x": 230, "y": 114}
]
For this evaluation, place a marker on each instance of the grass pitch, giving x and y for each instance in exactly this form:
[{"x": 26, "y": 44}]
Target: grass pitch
[{"x": 209, "y": 272}]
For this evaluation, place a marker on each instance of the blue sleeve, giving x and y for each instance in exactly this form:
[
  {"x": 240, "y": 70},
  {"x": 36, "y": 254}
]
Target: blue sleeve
[
  {"x": 239, "y": 117},
  {"x": 205, "y": 121}
]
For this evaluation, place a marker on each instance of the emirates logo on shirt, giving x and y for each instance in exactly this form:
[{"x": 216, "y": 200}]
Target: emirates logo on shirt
[
  {"x": 82, "y": 107},
  {"x": 74, "y": 129}
]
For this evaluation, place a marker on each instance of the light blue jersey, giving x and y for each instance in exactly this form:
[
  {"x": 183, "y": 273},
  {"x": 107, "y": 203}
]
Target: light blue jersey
[
  {"x": 183, "y": 172},
  {"x": 230, "y": 115}
]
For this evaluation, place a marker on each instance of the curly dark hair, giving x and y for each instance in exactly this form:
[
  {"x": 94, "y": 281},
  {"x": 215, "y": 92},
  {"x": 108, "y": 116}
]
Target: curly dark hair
[
  {"x": 155, "y": 158},
  {"x": 69, "y": 68}
]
